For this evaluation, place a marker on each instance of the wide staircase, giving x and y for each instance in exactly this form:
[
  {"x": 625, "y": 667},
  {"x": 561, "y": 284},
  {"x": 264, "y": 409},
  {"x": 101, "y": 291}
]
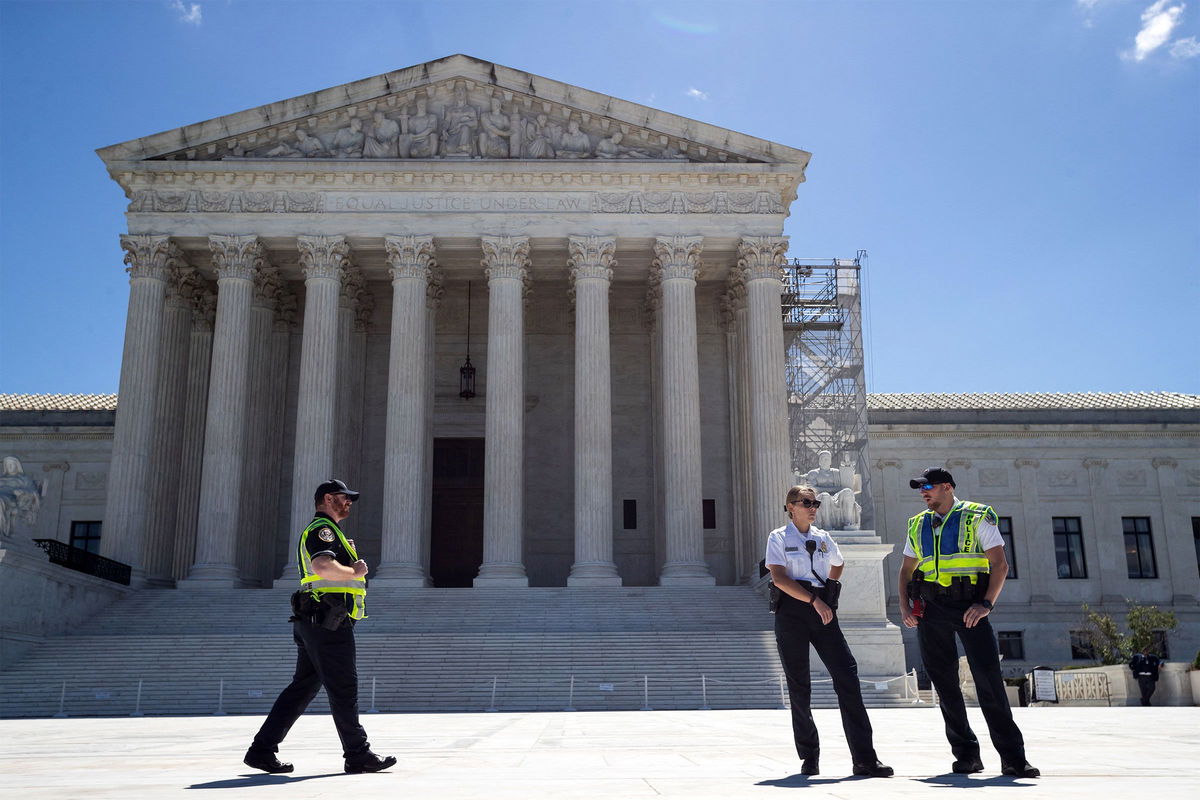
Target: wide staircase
[{"x": 213, "y": 652}]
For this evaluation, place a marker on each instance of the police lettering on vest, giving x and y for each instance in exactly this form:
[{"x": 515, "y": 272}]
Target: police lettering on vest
[{"x": 952, "y": 549}]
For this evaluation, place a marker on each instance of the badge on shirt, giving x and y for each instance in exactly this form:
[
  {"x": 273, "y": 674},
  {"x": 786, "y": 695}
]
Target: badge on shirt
[
  {"x": 325, "y": 535},
  {"x": 824, "y": 547}
]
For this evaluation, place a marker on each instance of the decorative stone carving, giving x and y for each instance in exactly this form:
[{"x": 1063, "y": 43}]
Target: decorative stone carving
[
  {"x": 150, "y": 255},
  {"x": 236, "y": 256},
  {"x": 762, "y": 256},
  {"x": 677, "y": 256},
  {"x": 1062, "y": 478},
  {"x": 323, "y": 256},
  {"x": 20, "y": 497},
  {"x": 1191, "y": 477},
  {"x": 591, "y": 257},
  {"x": 836, "y": 489},
  {"x": 540, "y": 137},
  {"x": 268, "y": 287},
  {"x": 506, "y": 257},
  {"x": 1027, "y": 462},
  {"x": 421, "y": 132},
  {"x": 304, "y": 146},
  {"x": 1131, "y": 478},
  {"x": 348, "y": 141},
  {"x": 460, "y": 122},
  {"x": 1164, "y": 462},
  {"x": 410, "y": 256},
  {"x": 733, "y": 299},
  {"x": 91, "y": 481},
  {"x": 496, "y": 132},
  {"x": 383, "y": 138},
  {"x": 574, "y": 143},
  {"x": 993, "y": 477}
]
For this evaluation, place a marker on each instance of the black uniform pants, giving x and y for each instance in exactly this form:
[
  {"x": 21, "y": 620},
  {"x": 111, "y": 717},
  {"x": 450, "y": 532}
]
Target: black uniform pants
[
  {"x": 1146, "y": 684},
  {"x": 323, "y": 658},
  {"x": 935, "y": 633},
  {"x": 797, "y": 625}
]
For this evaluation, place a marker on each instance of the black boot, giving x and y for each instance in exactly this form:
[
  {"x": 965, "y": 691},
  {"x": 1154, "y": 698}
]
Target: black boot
[
  {"x": 1020, "y": 769},
  {"x": 966, "y": 766},
  {"x": 369, "y": 762},
  {"x": 873, "y": 769},
  {"x": 812, "y": 764},
  {"x": 267, "y": 762}
]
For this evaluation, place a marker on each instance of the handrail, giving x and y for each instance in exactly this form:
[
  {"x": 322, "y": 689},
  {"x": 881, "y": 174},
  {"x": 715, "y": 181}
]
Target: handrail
[{"x": 80, "y": 560}]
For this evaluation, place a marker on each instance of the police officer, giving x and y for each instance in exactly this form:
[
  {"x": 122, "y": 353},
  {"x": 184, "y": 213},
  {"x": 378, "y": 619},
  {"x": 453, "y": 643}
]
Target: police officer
[
  {"x": 1145, "y": 666},
  {"x": 805, "y": 563},
  {"x": 954, "y": 559},
  {"x": 333, "y": 588}
]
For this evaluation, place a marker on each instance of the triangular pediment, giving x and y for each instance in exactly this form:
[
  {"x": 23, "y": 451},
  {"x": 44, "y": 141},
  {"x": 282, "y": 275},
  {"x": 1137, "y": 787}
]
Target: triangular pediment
[{"x": 456, "y": 108}]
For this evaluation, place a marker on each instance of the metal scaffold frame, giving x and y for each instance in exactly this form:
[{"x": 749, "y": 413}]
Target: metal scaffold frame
[{"x": 826, "y": 380}]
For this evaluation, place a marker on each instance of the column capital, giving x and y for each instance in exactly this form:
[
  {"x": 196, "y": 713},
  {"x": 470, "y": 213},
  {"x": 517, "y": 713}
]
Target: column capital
[
  {"x": 591, "y": 257},
  {"x": 505, "y": 257},
  {"x": 1095, "y": 463},
  {"x": 410, "y": 256},
  {"x": 435, "y": 288},
  {"x": 60, "y": 466},
  {"x": 286, "y": 312},
  {"x": 268, "y": 287},
  {"x": 887, "y": 463},
  {"x": 733, "y": 299},
  {"x": 1031, "y": 463},
  {"x": 356, "y": 297},
  {"x": 323, "y": 256},
  {"x": 959, "y": 463},
  {"x": 1164, "y": 462},
  {"x": 182, "y": 284},
  {"x": 677, "y": 257},
  {"x": 761, "y": 257},
  {"x": 150, "y": 255},
  {"x": 237, "y": 256}
]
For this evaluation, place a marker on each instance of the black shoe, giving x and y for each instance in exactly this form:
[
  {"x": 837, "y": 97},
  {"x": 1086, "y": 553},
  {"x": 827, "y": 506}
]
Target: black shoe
[
  {"x": 369, "y": 762},
  {"x": 811, "y": 765},
  {"x": 1021, "y": 770},
  {"x": 874, "y": 769},
  {"x": 966, "y": 766},
  {"x": 267, "y": 762}
]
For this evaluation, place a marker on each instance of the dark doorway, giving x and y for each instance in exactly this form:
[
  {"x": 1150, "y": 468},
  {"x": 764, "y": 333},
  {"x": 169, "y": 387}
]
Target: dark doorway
[{"x": 456, "y": 535}]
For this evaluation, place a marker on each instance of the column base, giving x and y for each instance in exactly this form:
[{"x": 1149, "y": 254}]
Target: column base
[
  {"x": 211, "y": 576},
  {"x": 686, "y": 573},
  {"x": 594, "y": 573},
  {"x": 289, "y": 578},
  {"x": 501, "y": 574},
  {"x": 400, "y": 574}
]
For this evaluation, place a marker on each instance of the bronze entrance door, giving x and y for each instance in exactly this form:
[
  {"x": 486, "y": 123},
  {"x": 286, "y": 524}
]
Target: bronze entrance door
[{"x": 456, "y": 535}]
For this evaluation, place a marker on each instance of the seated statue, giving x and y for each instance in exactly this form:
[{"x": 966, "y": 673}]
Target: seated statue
[
  {"x": 20, "y": 497},
  {"x": 835, "y": 487}
]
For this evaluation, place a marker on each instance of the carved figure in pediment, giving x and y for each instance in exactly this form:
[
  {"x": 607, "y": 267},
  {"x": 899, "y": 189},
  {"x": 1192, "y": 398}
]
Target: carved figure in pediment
[
  {"x": 348, "y": 141},
  {"x": 497, "y": 132},
  {"x": 383, "y": 140},
  {"x": 575, "y": 143},
  {"x": 305, "y": 146},
  {"x": 539, "y": 138},
  {"x": 460, "y": 122},
  {"x": 421, "y": 132},
  {"x": 611, "y": 147}
]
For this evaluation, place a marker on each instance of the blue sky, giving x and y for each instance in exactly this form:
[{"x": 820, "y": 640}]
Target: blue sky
[{"x": 1025, "y": 174}]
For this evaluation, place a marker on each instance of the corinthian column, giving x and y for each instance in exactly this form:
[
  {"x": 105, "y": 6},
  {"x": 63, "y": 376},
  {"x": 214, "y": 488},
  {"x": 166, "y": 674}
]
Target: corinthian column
[
  {"x": 237, "y": 260},
  {"x": 204, "y": 313},
  {"x": 404, "y": 477},
  {"x": 591, "y": 262},
  {"x": 506, "y": 264},
  {"x": 148, "y": 257},
  {"x": 760, "y": 259},
  {"x": 322, "y": 259},
  {"x": 168, "y": 428},
  {"x": 677, "y": 262}
]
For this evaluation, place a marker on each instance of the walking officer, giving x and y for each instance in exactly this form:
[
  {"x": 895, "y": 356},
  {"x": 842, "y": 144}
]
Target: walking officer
[
  {"x": 333, "y": 588},
  {"x": 953, "y": 570},
  {"x": 805, "y": 563}
]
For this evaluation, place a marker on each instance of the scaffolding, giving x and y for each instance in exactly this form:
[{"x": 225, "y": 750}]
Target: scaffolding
[{"x": 826, "y": 380}]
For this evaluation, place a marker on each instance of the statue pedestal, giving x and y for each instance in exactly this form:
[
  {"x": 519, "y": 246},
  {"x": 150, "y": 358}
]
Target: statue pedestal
[{"x": 862, "y": 610}]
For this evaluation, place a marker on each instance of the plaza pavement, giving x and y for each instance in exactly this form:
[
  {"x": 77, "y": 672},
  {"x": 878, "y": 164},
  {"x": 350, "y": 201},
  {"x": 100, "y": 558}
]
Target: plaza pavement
[{"x": 615, "y": 755}]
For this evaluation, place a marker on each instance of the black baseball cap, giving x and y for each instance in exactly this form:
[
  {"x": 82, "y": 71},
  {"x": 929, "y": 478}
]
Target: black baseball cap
[
  {"x": 932, "y": 475},
  {"x": 333, "y": 486}
]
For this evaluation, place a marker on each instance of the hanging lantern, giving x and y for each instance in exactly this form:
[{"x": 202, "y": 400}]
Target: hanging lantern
[{"x": 466, "y": 373}]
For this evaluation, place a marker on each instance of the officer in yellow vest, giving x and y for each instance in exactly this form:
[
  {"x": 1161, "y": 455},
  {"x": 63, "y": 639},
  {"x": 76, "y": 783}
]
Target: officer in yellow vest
[
  {"x": 333, "y": 589},
  {"x": 954, "y": 568}
]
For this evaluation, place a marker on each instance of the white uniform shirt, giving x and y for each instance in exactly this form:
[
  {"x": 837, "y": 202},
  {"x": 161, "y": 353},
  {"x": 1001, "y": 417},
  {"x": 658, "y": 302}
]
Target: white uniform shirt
[
  {"x": 785, "y": 548},
  {"x": 987, "y": 534}
]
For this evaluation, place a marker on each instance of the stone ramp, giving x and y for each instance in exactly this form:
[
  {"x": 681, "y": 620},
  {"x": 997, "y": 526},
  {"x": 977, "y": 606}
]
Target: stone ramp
[{"x": 424, "y": 650}]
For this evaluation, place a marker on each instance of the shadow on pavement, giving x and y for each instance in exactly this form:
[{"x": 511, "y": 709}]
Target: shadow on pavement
[
  {"x": 247, "y": 781},
  {"x": 796, "y": 781},
  {"x": 967, "y": 782}
]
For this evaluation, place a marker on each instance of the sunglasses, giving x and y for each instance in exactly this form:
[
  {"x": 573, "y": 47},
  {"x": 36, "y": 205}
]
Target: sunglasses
[{"x": 804, "y": 501}]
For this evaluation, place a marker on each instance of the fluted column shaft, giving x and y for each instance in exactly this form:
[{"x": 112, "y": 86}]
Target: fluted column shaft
[
  {"x": 409, "y": 376},
  {"x": 678, "y": 261},
  {"x": 218, "y": 532},
  {"x": 194, "y": 422},
  {"x": 506, "y": 260},
  {"x": 433, "y": 299},
  {"x": 159, "y": 551},
  {"x": 124, "y": 533},
  {"x": 322, "y": 258},
  {"x": 591, "y": 271},
  {"x": 761, "y": 259}
]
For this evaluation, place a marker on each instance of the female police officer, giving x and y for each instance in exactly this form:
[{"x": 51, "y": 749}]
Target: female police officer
[{"x": 805, "y": 563}]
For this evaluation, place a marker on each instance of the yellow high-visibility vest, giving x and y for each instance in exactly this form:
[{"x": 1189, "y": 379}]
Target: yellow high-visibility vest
[
  {"x": 950, "y": 550},
  {"x": 356, "y": 588}
]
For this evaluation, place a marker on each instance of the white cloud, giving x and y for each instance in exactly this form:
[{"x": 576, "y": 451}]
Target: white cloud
[
  {"x": 189, "y": 12},
  {"x": 1185, "y": 48},
  {"x": 696, "y": 93},
  {"x": 1158, "y": 21}
]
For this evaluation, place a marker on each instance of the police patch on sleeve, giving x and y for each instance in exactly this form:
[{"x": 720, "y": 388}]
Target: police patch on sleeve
[
  {"x": 990, "y": 516},
  {"x": 325, "y": 535}
]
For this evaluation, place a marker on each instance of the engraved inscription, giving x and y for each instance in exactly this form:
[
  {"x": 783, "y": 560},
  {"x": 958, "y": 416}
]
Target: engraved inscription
[{"x": 444, "y": 201}]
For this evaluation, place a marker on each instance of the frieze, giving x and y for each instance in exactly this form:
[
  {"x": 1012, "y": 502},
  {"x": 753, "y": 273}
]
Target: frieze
[{"x": 155, "y": 201}]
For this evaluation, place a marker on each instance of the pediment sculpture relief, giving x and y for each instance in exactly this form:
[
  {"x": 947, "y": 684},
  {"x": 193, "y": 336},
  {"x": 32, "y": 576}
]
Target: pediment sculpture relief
[{"x": 460, "y": 124}]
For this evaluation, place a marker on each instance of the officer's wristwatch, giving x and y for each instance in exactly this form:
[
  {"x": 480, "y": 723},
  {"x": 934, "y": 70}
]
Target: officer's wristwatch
[{"x": 986, "y": 603}]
